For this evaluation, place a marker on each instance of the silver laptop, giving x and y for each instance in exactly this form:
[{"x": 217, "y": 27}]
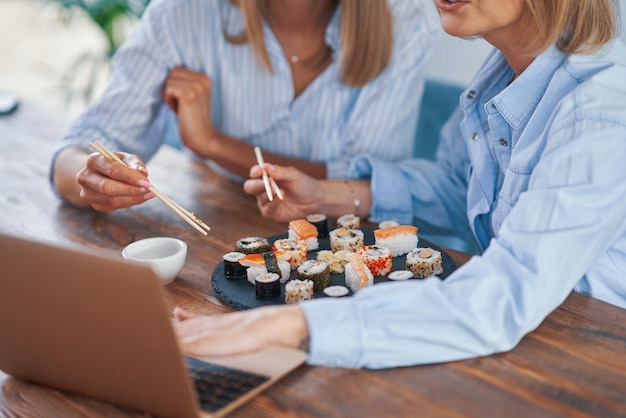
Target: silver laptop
[{"x": 98, "y": 326}]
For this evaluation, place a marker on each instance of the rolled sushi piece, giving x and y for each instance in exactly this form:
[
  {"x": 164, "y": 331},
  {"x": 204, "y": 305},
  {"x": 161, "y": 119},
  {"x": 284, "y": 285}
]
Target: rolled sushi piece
[
  {"x": 298, "y": 291},
  {"x": 303, "y": 229},
  {"x": 233, "y": 270},
  {"x": 345, "y": 239},
  {"x": 399, "y": 239},
  {"x": 258, "y": 264},
  {"x": 424, "y": 262},
  {"x": 358, "y": 275},
  {"x": 349, "y": 221},
  {"x": 317, "y": 271},
  {"x": 378, "y": 259},
  {"x": 320, "y": 222},
  {"x": 295, "y": 247},
  {"x": 252, "y": 245},
  {"x": 267, "y": 286}
]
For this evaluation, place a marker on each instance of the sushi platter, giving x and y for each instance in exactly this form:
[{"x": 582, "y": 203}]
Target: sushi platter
[{"x": 240, "y": 294}]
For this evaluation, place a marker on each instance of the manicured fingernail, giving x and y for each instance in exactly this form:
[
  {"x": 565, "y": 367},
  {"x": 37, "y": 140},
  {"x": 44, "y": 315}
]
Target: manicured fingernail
[
  {"x": 142, "y": 169},
  {"x": 148, "y": 196},
  {"x": 144, "y": 183}
]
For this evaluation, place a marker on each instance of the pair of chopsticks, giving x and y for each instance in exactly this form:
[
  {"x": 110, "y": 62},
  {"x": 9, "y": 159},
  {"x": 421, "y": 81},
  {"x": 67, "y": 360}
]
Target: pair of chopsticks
[
  {"x": 267, "y": 180},
  {"x": 187, "y": 216}
]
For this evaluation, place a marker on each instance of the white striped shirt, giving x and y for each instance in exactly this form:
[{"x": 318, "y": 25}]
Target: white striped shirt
[{"x": 328, "y": 122}]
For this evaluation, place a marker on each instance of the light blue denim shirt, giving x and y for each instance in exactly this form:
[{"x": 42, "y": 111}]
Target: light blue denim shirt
[
  {"x": 329, "y": 122},
  {"x": 536, "y": 170}
]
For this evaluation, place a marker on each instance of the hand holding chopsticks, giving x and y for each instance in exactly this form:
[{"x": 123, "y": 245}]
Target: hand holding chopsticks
[
  {"x": 187, "y": 216},
  {"x": 267, "y": 180}
]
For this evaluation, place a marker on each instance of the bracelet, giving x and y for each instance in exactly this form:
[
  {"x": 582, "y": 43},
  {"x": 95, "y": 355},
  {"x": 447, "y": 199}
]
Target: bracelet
[{"x": 355, "y": 201}]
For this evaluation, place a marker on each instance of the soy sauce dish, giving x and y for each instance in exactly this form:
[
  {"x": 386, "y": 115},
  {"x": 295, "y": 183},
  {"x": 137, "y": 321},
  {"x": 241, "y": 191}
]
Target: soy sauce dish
[{"x": 165, "y": 255}]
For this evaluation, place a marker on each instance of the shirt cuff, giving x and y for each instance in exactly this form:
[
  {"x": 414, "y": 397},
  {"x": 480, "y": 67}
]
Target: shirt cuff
[
  {"x": 335, "y": 337},
  {"x": 391, "y": 198}
]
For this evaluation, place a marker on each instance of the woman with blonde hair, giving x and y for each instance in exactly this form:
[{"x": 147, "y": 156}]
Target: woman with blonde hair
[
  {"x": 531, "y": 165},
  {"x": 313, "y": 83}
]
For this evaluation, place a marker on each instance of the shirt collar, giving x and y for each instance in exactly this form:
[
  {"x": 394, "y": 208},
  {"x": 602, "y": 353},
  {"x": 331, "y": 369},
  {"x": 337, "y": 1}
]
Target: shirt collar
[{"x": 518, "y": 100}]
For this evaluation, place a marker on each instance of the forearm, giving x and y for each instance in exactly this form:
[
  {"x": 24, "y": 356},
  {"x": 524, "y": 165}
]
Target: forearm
[
  {"x": 238, "y": 156},
  {"x": 68, "y": 163},
  {"x": 341, "y": 197}
]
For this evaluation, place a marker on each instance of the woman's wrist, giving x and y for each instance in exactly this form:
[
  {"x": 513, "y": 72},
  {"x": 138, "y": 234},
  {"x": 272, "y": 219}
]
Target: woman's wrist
[{"x": 346, "y": 196}]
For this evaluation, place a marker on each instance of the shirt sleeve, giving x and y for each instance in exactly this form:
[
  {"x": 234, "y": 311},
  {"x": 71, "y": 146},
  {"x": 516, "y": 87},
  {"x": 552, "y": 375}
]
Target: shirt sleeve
[
  {"x": 124, "y": 118},
  {"x": 572, "y": 211},
  {"x": 429, "y": 194},
  {"x": 383, "y": 119}
]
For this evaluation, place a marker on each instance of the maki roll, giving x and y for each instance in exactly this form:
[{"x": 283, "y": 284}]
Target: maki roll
[
  {"x": 316, "y": 271},
  {"x": 345, "y": 239},
  {"x": 424, "y": 262},
  {"x": 349, "y": 221},
  {"x": 320, "y": 222},
  {"x": 233, "y": 270},
  {"x": 303, "y": 229},
  {"x": 295, "y": 247},
  {"x": 378, "y": 259},
  {"x": 265, "y": 263},
  {"x": 252, "y": 245},
  {"x": 298, "y": 291},
  {"x": 399, "y": 239},
  {"x": 267, "y": 286}
]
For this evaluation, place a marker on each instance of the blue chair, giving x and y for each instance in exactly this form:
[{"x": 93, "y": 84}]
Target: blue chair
[{"x": 439, "y": 101}]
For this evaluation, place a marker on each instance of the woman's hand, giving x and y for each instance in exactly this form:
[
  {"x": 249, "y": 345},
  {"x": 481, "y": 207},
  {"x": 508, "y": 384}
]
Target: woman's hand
[
  {"x": 240, "y": 332},
  {"x": 188, "y": 93},
  {"x": 303, "y": 194},
  {"x": 108, "y": 185}
]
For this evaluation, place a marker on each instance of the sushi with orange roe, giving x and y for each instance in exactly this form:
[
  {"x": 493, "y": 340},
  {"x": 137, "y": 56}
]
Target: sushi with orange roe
[{"x": 378, "y": 259}]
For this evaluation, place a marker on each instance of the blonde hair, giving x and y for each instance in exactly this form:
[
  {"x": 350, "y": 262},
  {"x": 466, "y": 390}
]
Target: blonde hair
[
  {"x": 577, "y": 26},
  {"x": 366, "y": 37}
]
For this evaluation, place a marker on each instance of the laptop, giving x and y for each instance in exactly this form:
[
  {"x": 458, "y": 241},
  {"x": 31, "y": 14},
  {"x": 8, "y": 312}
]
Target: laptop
[{"x": 98, "y": 326}]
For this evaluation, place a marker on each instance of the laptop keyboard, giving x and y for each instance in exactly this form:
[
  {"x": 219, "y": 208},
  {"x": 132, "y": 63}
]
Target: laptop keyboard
[{"x": 217, "y": 385}]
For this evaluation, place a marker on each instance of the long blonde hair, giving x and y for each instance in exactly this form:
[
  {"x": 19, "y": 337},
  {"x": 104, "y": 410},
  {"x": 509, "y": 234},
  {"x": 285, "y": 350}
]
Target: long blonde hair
[
  {"x": 577, "y": 26},
  {"x": 366, "y": 37}
]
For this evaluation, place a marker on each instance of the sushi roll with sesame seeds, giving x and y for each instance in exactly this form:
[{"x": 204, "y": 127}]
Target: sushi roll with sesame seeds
[
  {"x": 424, "y": 262},
  {"x": 298, "y": 291},
  {"x": 316, "y": 271}
]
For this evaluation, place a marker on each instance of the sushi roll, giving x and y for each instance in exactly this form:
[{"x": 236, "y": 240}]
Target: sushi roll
[
  {"x": 252, "y": 245},
  {"x": 358, "y": 275},
  {"x": 345, "y": 239},
  {"x": 316, "y": 271},
  {"x": 257, "y": 264},
  {"x": 399, "y": 239},
  {"x": 320, "y": 222},
  {"x": 349, "y": 221},
  {"x": 267, "y": 286},
  {"x": 424, "y": 262},
  {"x": 303, "y": 229},
  {"x": 336, "y": 291},
  {"x": 295, "y": 247},
  {"x": 298, "y": 291},
  {"x": 233, "y": 270},
  {"x": 400, "y": 275},
  {"x": 378, "y": 259}
]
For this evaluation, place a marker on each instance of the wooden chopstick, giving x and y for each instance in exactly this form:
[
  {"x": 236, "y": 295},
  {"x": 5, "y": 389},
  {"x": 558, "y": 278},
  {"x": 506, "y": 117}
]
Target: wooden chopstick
[
  {"x": 187, "y": 216},
  {"x": 267, "y": 180}
]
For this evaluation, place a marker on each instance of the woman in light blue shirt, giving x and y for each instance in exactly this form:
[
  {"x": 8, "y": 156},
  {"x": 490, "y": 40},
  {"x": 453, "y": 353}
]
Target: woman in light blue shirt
[
  {"x": 531, "y": 164},
  {"x": 313, "y": 83}
]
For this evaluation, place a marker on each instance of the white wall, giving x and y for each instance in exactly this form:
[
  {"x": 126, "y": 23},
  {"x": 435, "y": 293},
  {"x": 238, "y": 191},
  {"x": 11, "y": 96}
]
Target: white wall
[{"x": 458, "y": 60}]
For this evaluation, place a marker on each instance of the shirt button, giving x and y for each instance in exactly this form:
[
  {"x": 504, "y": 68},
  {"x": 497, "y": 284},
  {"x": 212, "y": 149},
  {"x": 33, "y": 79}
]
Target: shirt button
[
  {"x": 474, "y": 136},
  {"x": 503, "y": 142},
  {"x": 471, "y": 94}
]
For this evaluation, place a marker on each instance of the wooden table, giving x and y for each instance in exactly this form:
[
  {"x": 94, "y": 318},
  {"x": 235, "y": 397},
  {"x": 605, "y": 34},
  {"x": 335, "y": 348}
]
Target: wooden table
[{"x": 573, "y": 365}]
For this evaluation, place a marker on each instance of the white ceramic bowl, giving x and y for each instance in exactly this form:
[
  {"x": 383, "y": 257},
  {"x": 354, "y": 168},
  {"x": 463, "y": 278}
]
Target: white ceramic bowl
[{"x": 165, "y": 255}]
